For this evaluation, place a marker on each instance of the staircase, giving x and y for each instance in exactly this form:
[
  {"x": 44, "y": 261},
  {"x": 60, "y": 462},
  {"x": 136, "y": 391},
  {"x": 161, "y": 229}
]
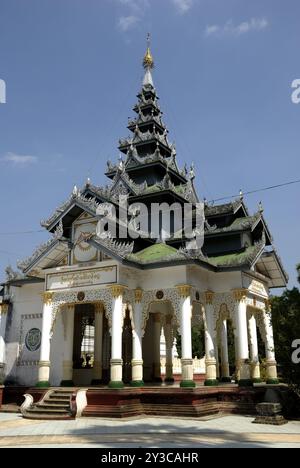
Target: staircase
[{"x": 55, "y": 405}]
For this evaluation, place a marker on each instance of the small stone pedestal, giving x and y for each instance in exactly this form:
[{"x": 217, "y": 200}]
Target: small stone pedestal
[{"x": 269, "y": 413}]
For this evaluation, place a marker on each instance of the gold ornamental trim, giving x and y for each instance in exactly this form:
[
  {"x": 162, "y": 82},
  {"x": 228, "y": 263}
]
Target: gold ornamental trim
[
  {"x": 98, "y": 307},
  {"x": 209, "y": 297},
  {"x": 117, "y": 290},
  {"x": 48, "y": 298},
  {"x": 3, "y": 309},
  {"x": 138, "y": 295},
  {"x": 184, "y": 290},
  {"x": 240, "y": 294}
]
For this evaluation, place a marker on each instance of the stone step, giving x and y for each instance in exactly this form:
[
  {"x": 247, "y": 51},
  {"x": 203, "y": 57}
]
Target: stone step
[
  {"x": 56, "y": 406},
  {"x": 47, "y": 416},
  {"x": 58, "y": 398},
  {"x": 51, "y": 404},
  {"x": 43, "y": 409}
]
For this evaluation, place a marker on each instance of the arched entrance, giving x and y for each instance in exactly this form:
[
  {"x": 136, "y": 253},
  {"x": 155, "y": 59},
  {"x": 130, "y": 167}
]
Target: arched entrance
[
  {"x": 160, "y": 318},
  {"x": 81, "y": 346}
]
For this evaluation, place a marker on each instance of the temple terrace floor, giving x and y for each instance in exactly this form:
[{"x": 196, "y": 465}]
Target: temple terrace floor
[{"x": 222, "y": 432}]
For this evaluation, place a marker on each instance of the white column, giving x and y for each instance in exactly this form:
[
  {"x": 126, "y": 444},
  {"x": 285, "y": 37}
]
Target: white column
[
  {"x": 156, "y": 339},
  {"x": 116, "y": 361},
  {"x": 44, "y": 364},
  {"x": 68, "y": 346},
  {"x": 137, "y": 353},
  {"x": 224, "y": 351},
  {"x": 169, "y": 349},
  {"x": 210, "y": 351},
  {"x": 186, "y": 336},
  {"x": 3, "y": 319},
  {"x": 216, "y": 345},
  {"x": 255, "y": 367},
  {"x": 98, "y": 342},
  {"x": 242, "y": 348},
  {"x": 270, "y": 347}
]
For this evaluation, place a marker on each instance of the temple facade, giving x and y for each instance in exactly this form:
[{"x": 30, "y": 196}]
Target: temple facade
[{"x": 87, "y": 309}]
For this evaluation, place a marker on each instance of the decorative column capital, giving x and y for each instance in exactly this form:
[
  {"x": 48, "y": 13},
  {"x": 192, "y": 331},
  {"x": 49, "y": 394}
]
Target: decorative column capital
[
  {"x": 98, "y": 308},
  {"x": 240, "y": 294},
  {"x": 138, "y": 295},
  {"x": 117, "y": 290},
  {"x": 209, "y": 297},
  {"x": 184, "y": 290},
  {"x": 3, "y": 309},
  {"x": 48, "y": 298}
]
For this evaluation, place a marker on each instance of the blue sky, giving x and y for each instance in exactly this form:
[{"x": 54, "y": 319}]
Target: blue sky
[{"x": 224, "y": 70}]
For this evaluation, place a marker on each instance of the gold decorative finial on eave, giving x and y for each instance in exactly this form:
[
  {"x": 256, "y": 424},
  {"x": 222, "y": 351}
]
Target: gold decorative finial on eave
[{"x": 148, "y": 61}]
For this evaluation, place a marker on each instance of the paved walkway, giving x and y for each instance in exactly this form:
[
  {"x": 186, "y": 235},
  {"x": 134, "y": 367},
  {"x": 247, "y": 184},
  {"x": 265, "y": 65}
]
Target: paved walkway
[{"x": 227, "y": 431}]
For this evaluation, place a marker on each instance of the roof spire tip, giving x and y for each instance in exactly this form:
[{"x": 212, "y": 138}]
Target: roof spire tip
[{"x": 148, "y": 61}]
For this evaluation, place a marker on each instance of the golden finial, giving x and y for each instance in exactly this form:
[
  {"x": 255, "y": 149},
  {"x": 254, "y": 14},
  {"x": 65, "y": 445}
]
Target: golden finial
[{"x": 148, "y": 61}]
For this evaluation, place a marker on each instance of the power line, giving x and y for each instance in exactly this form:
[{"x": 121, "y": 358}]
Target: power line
[
  {"x": 250, "y": 192},
  {"x": 271, "y": 187},
  {"x": 20, "y": 232}
]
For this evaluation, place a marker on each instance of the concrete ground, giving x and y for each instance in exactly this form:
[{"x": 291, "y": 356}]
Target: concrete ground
[{"x": 227, "y": 431}]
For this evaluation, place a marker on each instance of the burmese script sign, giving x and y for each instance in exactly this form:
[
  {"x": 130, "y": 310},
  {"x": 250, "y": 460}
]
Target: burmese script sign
[{"x": 75, "y": 279}]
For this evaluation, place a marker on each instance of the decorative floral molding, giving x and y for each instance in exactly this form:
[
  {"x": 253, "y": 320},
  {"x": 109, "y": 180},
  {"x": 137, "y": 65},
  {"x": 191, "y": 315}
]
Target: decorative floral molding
[{"x": 63, "y": 298}]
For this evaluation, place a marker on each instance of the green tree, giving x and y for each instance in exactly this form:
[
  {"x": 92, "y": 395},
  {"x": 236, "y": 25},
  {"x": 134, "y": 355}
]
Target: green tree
[
  {"x": 286, "y": 326},
  {"x": 198, "y": 343}
]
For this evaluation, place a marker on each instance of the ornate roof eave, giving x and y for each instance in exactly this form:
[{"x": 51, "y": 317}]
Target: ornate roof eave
[
  {"x": 278, "y": 258},
  {"x": 125, "y": 144},
  {"x": 129, "y": 185},
  {"x": 280, "y": 268},
  {"x": 261, "y": 218},
  {"x": 142, "y": 166},
  {"x": 40, "y": 252},
  {"x": 246, "y": 224},
  {"x": 226, "y": 208},
  {"x": 238, "y": 204},
  {"x": 245, "y": 259},
  {"x": 144, "y": 122},
  {"x": 122, "y": 252},
  {"x": 112, "y": 247},
  {"x": 261, "y": 245},
  {"x": 170, "y": 261},
  {"x": 162, "y": 192},
  {"x": 81, "y": 201}
]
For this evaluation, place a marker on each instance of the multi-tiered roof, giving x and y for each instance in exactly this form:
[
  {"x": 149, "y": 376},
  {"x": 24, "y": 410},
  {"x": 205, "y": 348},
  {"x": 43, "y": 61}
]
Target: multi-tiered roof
[{"x": 148, "y": 172}]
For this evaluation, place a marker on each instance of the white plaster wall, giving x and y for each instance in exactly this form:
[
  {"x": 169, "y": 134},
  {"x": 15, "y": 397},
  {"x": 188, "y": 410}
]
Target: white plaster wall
[
  {"x": 208, "y": 280},
  {"x": 169, "y": 277},
  {"x": 21, "y": 364},
  {"x": 161, "y": 278}
]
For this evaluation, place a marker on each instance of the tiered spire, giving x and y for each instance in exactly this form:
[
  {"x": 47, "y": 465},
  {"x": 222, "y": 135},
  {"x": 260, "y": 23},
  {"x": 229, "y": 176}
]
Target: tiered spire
[{"x": 150, "y": 156}]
